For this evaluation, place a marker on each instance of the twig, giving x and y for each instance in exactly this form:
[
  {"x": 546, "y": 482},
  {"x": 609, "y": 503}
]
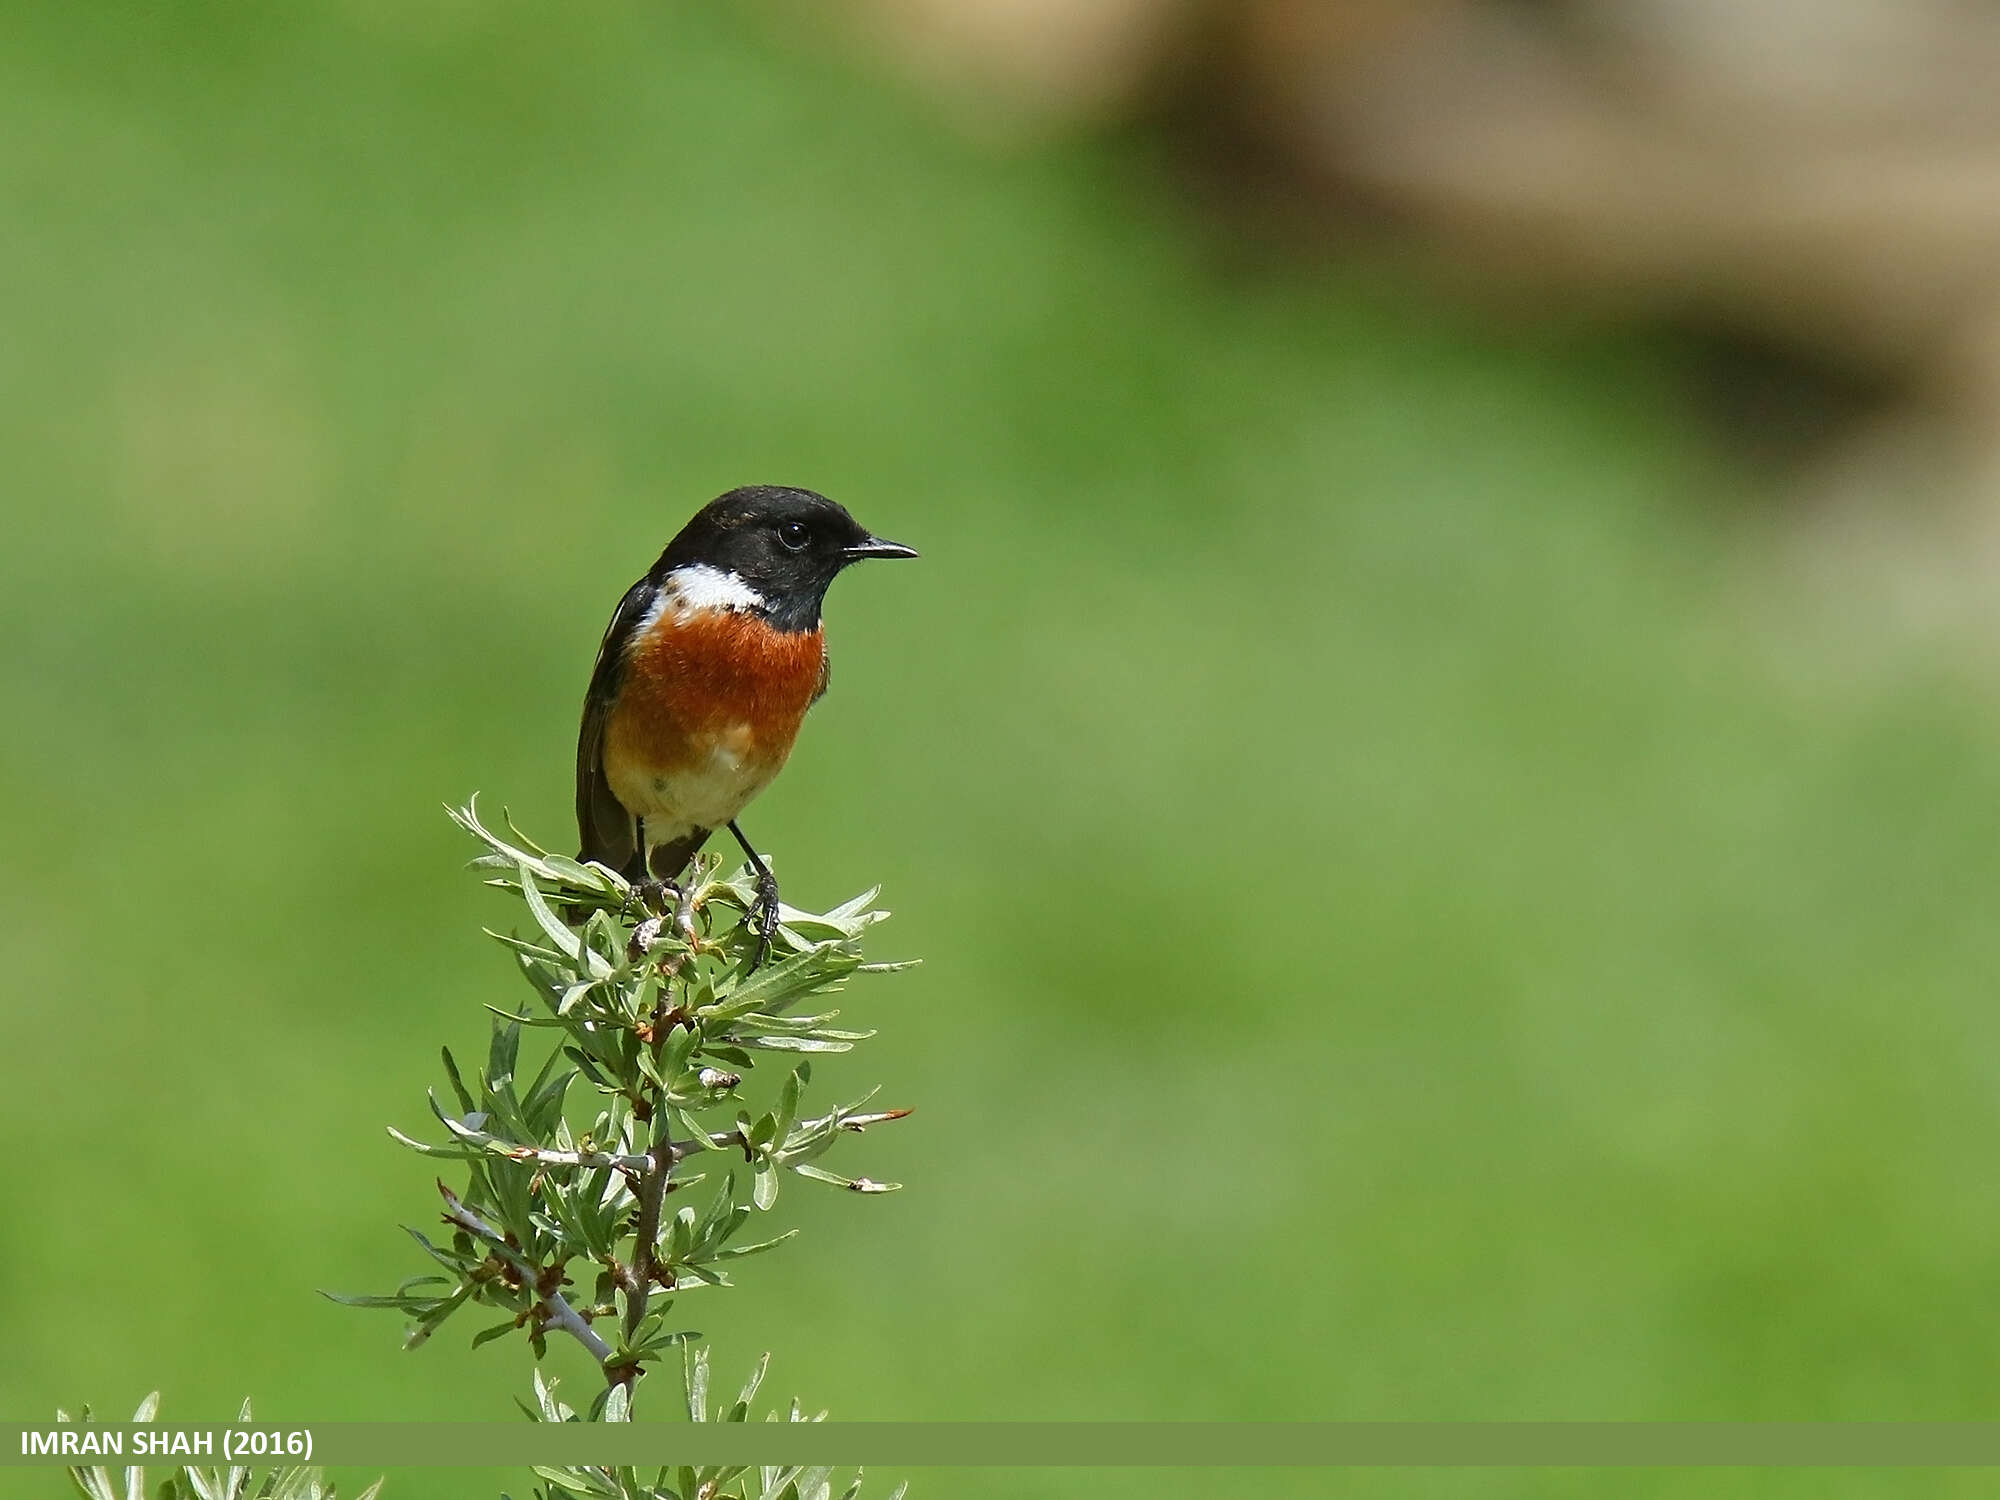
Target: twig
[
  {"x": 568, "y": 1320},
  {"x": 654, "y": 1179},
  {"x": 646, "y": 1228},
  {"x": 561, "y": 1316}
]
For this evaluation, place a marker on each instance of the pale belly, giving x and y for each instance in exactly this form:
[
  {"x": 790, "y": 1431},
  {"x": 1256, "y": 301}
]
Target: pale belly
[{"x": 707, "y": 791}]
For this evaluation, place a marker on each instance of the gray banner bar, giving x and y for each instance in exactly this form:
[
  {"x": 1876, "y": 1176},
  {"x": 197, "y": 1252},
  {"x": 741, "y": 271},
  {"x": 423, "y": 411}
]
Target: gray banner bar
[{"x": 1039, "y": 1444}]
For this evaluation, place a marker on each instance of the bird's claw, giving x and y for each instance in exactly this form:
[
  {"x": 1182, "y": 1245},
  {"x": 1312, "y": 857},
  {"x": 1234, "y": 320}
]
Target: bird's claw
[{"x": 650, "y": 896}]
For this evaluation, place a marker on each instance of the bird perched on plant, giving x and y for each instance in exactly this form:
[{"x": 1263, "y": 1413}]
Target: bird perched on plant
[{"x": 704, "y": 675}]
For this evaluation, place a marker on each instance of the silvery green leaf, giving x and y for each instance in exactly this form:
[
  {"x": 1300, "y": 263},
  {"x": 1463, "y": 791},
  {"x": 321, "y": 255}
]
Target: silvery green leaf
[
  {"x": 575, "y": 1228},
  {"x": 678, "y": 1051},
  {"x": 566, "y": 941},
  {"x": 527, "y": 843},
  {"x": 739, "y": 1215},
  {"x": 348, "y": 1299},
  {"x": 775, "y": 984},
  {"x": 589, "y": 1067},
  {"x": 741, "y": 1411},
  {"x": 457, "y": 1083},
  {"x": 665, "y": 1337},
  {"x": 680, "y": 1233},
  {"x": 590, "y": 877},
  {"x": 451, "y": 1260},
  {"x": 424, "y": 1148},
  {"x": 718, "y": 1209},
  {"x": 649, "y": 1068},
  {"x": 787, "y": 1023},
  {"x": 734, "y": 1252},
  {"x": 545, "y": 1397},
  {"x": 602, "y": 943},
  {"x": 531, "y": 1023},
  {"x": 498, "y": 1330},
  {"x": 853, "y": 1184},
  {"x": 855, "y": 906},
  {"x": 428, "y": 1323},
  {"x": 836, "y": 923},
  {"x": 694, "y": 1366},
  {"x": 841, "y": 1112},
  {"x": 545, "y": 1100},
  {"x": 502, "y": 1056},
  {"x": 687, "y": 1128},
  {"x": 820, "y": 1174},
  {"x": 467, "y": 818},
  {"x": 579, "y": 1482},
  {"x": 525, "y": 948}
]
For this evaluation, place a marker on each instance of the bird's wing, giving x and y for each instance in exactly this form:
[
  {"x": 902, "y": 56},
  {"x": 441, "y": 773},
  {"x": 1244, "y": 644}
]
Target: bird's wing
[{"x": 603, "y": 827}]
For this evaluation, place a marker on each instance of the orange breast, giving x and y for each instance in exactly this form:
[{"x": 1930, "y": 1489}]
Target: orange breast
[{"x": 712, "y": 681}]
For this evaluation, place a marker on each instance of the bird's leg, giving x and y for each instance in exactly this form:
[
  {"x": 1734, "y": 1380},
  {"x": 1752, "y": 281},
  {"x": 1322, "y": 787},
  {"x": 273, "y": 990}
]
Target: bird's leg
[
  {"x": 648, "y": 892},
  {"x": 765, "y": 908}
]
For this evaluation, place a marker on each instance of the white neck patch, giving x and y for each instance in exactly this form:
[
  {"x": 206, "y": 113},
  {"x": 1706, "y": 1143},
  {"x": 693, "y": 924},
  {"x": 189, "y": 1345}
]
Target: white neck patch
[{"x": 699, "y": 590}]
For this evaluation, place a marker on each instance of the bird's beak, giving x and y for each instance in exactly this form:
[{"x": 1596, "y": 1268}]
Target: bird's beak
[{"x": 876, "y": 546}]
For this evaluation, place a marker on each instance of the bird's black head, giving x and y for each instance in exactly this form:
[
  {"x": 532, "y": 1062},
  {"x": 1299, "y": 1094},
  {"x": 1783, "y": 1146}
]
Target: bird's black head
[{"x": 786, "y": 545}]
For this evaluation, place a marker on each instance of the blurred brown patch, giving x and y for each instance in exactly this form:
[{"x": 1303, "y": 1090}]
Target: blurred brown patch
[{"x": 1811, "y": 192}]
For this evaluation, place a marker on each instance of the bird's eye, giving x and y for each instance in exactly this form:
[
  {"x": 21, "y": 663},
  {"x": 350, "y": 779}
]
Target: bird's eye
[{"x": 794, "y": 535}]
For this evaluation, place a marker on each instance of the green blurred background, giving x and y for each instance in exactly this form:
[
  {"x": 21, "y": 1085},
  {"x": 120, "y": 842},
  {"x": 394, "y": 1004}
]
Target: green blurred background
[{"x": 1405, "y": 935}]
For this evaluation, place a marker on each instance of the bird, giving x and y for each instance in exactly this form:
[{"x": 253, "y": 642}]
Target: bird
[{"x": 703, "y": 678}]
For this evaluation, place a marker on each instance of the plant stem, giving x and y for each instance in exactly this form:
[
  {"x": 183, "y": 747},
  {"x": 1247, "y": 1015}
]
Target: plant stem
[
  {"x": 568, "y": 1320},
  {"x": 652, "y": 1192},
  {"x": 646, "y": 1227},
  {"x": 561, "y": 1316}
]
